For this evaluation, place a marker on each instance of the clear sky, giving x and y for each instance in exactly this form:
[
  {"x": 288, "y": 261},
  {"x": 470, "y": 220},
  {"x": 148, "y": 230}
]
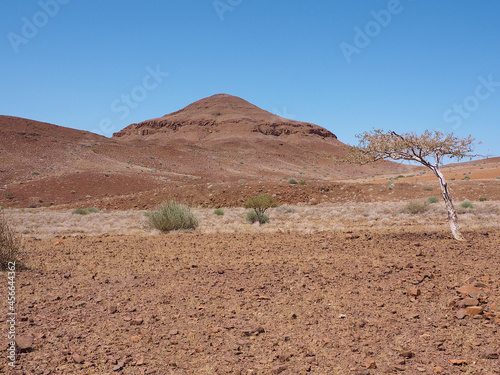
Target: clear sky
[{"x": 348, "y": 66}]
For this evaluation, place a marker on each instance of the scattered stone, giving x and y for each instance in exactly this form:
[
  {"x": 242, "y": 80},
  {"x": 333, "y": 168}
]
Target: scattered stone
[
  {"x": 461, "y": 314},
  {"x": 173, "y": 332},
  {"x": 407, "y": 354},
  {"x": 421, "y": 369},
  {"x": 459, "y": 362},
  {"x": 113, "y": 309},
  {"x": 278, "y": 369},
  {"x": 136, "y": 322},
  {"x": 135, "y": 339},
  {"x": 24, "y": 343},
  {"x": 474, "y": 310},
  {"x": 470, "y": 302},
  {"x": 489, "y": 354},
  {"x": 77, "y": 358},
  {"x": 415, "y": 292},
  {"x": 58, "y": 243},
  {"x": 370, "y": 363},
  {"x": 438, "y": 370},
  {"x": 468, "y": 289}
]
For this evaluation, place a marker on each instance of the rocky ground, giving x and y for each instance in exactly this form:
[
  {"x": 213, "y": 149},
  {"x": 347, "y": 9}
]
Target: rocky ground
[{"x": 373, "y": 301}]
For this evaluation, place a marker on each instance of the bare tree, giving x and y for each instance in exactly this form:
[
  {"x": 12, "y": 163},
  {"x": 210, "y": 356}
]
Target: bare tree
[{"x": 427, "y": 149}]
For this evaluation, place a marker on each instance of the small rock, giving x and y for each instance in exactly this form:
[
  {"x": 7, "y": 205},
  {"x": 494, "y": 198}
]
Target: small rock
[
  {"x": 370, "y": 363},
  {"x": 468, "y": 289},
  {"x": 459, "y": 362},
  {"x": 24, "y": 343},
  {"x": 415, "y": 292},
  {"x": 58, "y": 243},
  {"x": 489, "y": 354},
  {"x": 461, "y": 314},
  {"x": 113, "y": 309},
  {"x": 119, "y": 366},
  {"x": 407, "y": 354},
  {"x": 77, "y": 358},
  {"x": 136, "y": 322},
  {"x": 474, "y": 310},
  {"x": 421, "y": 369},
  {"x": 470, "y": 301},
  {"x": 278, "y": 369},
  {"x": 135, "y": 339},
  {"x": 438, "y": 370}
]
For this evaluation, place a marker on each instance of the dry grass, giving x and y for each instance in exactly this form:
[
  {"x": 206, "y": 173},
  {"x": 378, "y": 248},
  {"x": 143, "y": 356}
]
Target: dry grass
[
  {"x": 49, "y": 223},
  {"x": 10, "y": 245}
]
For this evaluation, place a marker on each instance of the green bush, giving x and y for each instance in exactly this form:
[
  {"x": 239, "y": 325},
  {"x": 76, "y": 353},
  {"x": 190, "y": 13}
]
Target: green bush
[
  {"x": 433, "y": 199},
  {"x": 467, "y": 204},
  {"x": 415, "y": 207},
  {"x": 80, "y": 211},
  {"x": 10, "y": 246},
  {"x": 172, "y": 216},
  {"x": 292, "y": 181},
  {"x": 219, "y": 212},
  {"x": 35, "y": 173},
  {"x": 483, "y": 199},
  {"x": 260, "y": 204},
  {"x": 302, "y": 182},
  {"x": 92, "y": 210},
  {"x": 252, "y": 217}
]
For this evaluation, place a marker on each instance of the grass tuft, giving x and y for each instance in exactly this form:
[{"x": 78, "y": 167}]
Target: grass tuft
[
  {"x": 10, "y": 247},
  {"x": 172, "y": 216},
  {"x": 416, "y": 207}
]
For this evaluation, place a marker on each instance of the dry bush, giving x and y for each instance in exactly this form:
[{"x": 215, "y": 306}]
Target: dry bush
[
  {"x": 10, "y": 245},
  {"x": 172, "y": 216},
  {"x": 416, "y": 207}
]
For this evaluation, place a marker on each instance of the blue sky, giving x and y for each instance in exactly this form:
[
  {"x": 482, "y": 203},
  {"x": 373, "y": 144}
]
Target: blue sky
[{"x": 348, "y": 66}]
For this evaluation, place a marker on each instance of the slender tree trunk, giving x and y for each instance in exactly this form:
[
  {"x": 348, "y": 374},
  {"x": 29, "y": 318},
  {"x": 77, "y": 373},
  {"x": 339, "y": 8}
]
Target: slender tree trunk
[{"x": 452, "y": 214}]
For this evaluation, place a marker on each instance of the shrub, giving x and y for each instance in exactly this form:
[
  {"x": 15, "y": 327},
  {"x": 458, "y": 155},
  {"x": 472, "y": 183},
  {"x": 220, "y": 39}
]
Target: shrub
[
  {"x": 92, "y": 210},
  {"x": 292, "y": 181},
  {"x": 252, "y": 217},
  {"x": 466, "y": 178},
  {"x": 433, "y": 199},
  {"x": 467, "y": 204},
  {"x": 260, "y": 204},
  {"x": 171, "y": 216},
  {"x": 302, "y": 182},
  {"x": 219, "y": 212},
  {"x": 483, "y": 199},
  {"x": 35, "y": 173},
  {"x": 285, "y": 209},
  {"x": 415, "y": 207},
  {"x": 427, "y": 188},
  {"x": 80, "y": 211},
  {"x": 10, "y": 245}
]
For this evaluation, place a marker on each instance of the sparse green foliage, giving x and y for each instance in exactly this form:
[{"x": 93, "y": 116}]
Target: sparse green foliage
[
  {"x": 80, "y": 211},
  {"x": 172, "y": 216},
  {"x": 260, "y": 204},
  {"x": 292, "y": 181},
  {"x": 427, "y": 188},
  {"x": 467, "y": 204},
  {"x": 415, "y": 207},
  {"x": 35, "y": 173},
  {"x": 433, "y": 199},
  {"x": 427, "y": 149},
  {"x": 302, "y": 182},
  {"x": 483, "y": 199},
  {"x": 219, "y": 212},
  {"x": 10, "y": 245},
  {"x": 252, "y": 217}
]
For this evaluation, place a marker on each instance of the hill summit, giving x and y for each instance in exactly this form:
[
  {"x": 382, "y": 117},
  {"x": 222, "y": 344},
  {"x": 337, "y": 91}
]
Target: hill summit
[{"x": 220, "y": 115}]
